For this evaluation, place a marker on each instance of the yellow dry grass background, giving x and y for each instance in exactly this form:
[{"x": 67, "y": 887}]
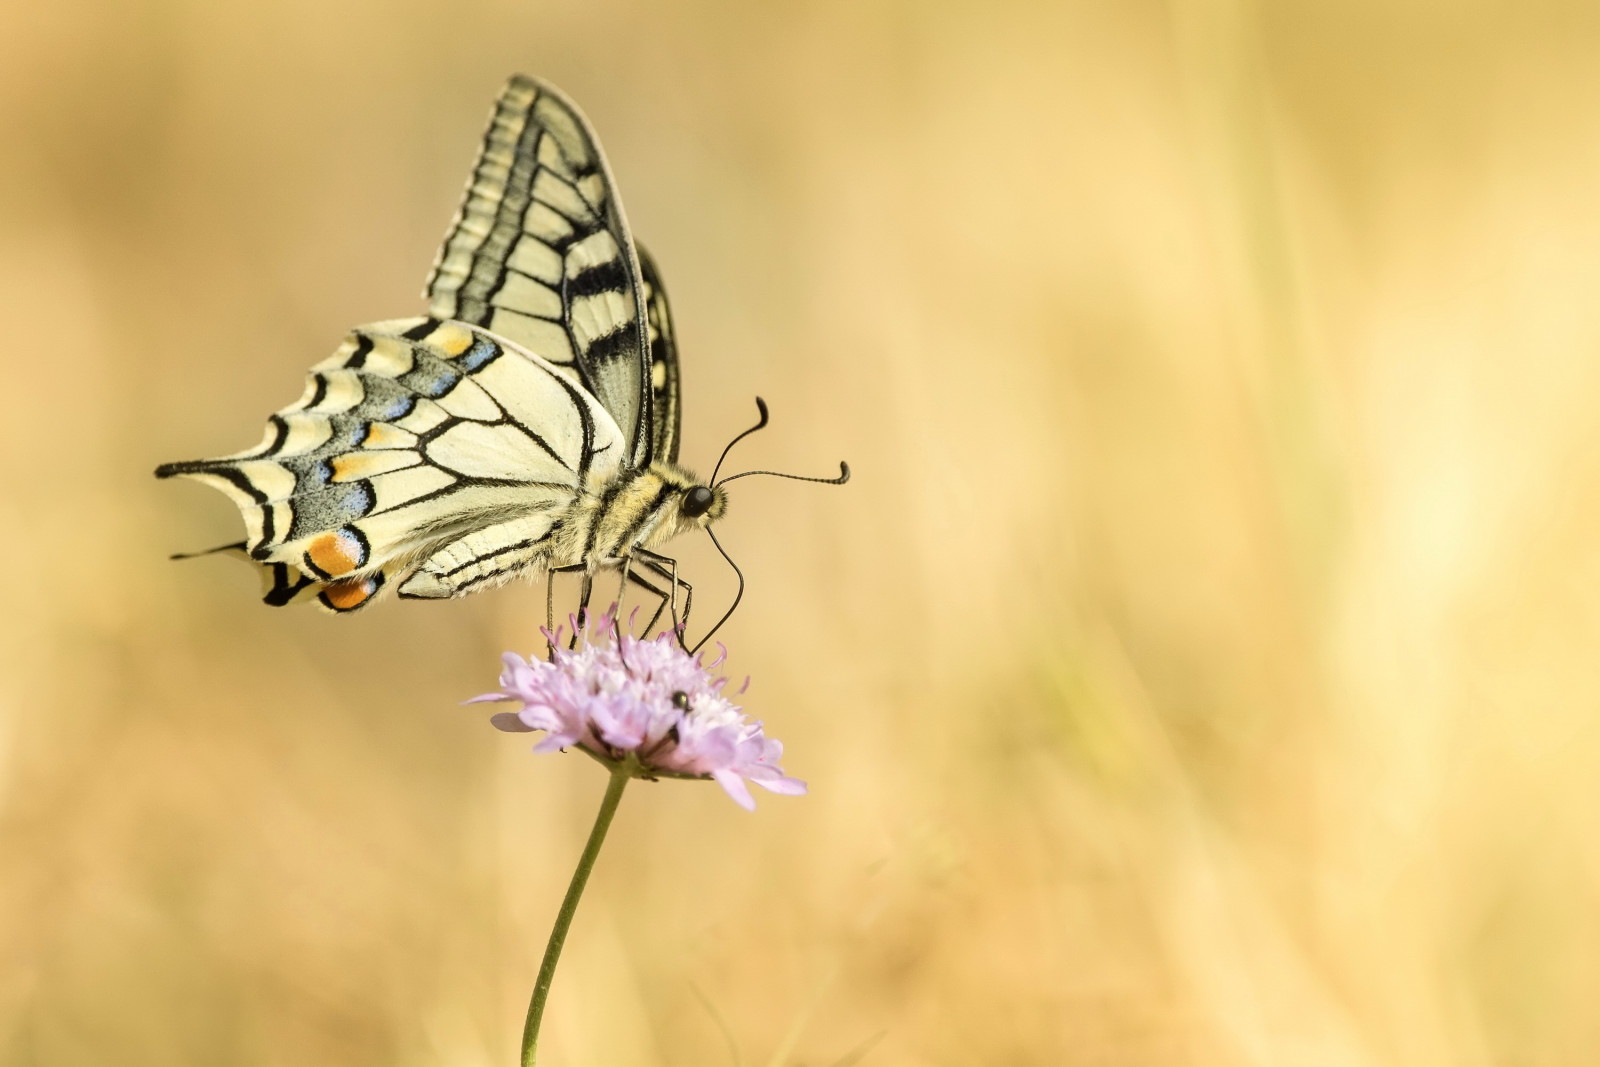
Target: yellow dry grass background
[{"x": 1201, "y": 668}]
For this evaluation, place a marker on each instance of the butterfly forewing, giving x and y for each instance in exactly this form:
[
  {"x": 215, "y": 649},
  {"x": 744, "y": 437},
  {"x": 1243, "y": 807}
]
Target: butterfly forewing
[{"x": 540, "y": 254}]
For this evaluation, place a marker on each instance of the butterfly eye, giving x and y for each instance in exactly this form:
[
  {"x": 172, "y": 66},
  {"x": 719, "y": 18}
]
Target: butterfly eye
[
  {"x": 680, "y": 700},
  {"x": 698, "y": 501}
]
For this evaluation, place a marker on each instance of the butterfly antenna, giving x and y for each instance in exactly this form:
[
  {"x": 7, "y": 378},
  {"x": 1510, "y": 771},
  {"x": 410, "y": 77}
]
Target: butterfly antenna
[
  {"x": 761, "y": 406},
  {"x": 844, "y": 476},
  {"x": 737, "y": 596}
]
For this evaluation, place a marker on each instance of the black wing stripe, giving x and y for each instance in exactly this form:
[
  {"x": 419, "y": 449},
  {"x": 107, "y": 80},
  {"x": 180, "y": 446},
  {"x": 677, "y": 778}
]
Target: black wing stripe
[
  {"x": 612, "y": 346},
  {"x": 282, "y": 590},
  {"x": 608, "y": 277},
  {"x": 359, "y": 356}
]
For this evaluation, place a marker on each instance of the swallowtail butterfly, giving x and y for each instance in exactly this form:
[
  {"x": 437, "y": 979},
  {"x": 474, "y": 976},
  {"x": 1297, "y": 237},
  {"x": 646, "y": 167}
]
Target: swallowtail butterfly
[{"x": 528, "y": 424}]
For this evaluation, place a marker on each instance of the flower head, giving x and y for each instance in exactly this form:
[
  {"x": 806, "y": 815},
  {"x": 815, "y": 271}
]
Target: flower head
[{"x": 620, "y": 697}]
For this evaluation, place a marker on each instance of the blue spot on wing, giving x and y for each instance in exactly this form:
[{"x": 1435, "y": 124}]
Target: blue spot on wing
[
  {"x": 310, "y": 472},
  {"x": 398, "y": 408},
  {"x": 330, "y": 507},
  {"x": 430, "y": 377},
  {"x": 480, "y": 355},
  {"x": 383, "y": 399}
]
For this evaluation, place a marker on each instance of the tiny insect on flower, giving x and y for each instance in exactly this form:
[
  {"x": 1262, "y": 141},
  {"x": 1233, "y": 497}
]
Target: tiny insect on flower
[{"x": 620, "y": 697}]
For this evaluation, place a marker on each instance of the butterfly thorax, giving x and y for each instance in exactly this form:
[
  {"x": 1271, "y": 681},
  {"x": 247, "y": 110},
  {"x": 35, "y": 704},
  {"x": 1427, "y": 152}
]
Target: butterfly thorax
[{"x": 641, "y": 508}]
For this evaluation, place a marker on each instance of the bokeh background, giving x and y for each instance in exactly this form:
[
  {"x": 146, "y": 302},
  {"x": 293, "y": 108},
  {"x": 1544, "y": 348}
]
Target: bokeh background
[{"x": 1201, "y": 668}]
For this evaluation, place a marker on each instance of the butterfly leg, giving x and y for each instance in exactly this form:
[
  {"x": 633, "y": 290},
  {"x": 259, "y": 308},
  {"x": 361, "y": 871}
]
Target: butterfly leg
[
  {"x": 550, "y": 611},
  {"x": 661, "y": 603},
  {"x": 585, "y": 591},
  {"x": 629, "y": 575},
  {"x": 550, "y": 601},
  {"x": 626, "y": 565},
  {"x": 666, "y": 568}
]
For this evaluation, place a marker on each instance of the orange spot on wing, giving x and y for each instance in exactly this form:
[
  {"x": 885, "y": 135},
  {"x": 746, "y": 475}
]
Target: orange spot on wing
[
  {"x": 350, "y": 594},
  {"x": 382, "y": 435},
  {"x": 453, "y": 339},
  {"x": 354, "y": 465},
  {"x": 335, "y": 553}
]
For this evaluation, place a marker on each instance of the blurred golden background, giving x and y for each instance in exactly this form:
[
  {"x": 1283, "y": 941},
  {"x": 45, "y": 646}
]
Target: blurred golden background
[{"x": 1200, "y": 669}]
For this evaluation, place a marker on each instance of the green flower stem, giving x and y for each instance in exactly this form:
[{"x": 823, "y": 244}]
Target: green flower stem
[{"x": 620, "y": 773}]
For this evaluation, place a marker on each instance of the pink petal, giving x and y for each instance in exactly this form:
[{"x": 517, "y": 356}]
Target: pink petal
[
  {"x": 734, "y": 786},
  {"x": 789, "y": 787},
  {"x": 510, "y": 722}
]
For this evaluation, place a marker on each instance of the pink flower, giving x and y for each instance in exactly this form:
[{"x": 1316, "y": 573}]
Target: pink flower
[{"x": 647, "y": 700}]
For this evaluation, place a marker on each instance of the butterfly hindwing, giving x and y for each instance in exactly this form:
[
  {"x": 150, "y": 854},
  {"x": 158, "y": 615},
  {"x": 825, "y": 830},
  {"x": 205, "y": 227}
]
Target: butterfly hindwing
[
  {"x": 666, "y": 413},
  {"x": 540, "y": 254},
  {"x": 427, "y": 454}
]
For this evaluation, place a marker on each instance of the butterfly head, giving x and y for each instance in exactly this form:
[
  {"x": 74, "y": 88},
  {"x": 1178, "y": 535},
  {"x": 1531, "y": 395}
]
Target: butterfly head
[
  {"x": 678, "y": 502},
  {"x": 703, "y": 504}
]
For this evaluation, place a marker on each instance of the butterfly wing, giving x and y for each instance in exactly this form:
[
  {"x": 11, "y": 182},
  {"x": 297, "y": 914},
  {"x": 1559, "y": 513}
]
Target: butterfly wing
[
  {"x": 425, "y": 454},
  {"x": 540, "y": 254},
  {"x": 666, "y": 413}
]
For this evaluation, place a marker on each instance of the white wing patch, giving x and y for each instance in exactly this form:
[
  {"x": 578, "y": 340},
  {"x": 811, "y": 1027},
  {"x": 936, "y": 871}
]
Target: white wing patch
[{"x": 498, "y": 452}]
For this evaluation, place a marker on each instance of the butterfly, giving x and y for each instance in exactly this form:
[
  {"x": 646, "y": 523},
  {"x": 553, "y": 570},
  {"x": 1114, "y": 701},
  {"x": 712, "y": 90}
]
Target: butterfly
[{"x": 528, "y": 424}]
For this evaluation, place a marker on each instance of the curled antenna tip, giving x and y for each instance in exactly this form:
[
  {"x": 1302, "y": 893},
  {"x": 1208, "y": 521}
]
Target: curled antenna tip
[
  {"x": 844, "y": 476},
  {"x": 761, "y": 406}
]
